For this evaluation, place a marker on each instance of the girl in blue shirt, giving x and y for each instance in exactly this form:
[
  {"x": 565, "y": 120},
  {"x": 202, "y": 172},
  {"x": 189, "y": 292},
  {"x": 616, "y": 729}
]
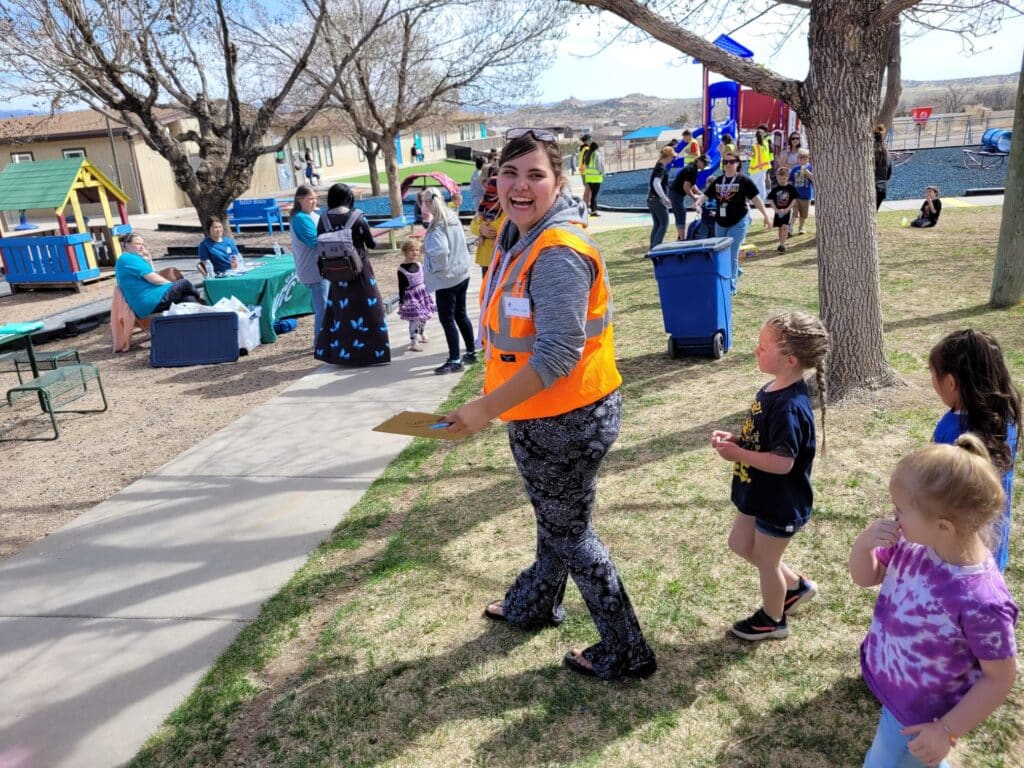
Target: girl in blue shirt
[
  {"x": 970, "y": 376},
  {"x": 222, "y": 251}
]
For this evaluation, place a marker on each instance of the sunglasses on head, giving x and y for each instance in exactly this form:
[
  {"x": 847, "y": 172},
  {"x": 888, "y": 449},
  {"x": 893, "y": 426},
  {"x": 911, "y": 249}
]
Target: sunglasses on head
[{"x": 539, "y": 135}]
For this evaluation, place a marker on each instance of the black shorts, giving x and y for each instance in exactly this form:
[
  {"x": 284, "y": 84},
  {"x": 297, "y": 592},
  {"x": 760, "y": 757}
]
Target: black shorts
[{"x": 781, "y": 219}]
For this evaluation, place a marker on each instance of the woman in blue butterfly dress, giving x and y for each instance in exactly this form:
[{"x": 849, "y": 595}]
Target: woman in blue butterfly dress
[{"x": 355, "y": 328}]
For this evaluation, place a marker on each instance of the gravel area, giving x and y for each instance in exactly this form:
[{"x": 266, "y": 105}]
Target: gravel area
[{"x": 154, "y": 415}]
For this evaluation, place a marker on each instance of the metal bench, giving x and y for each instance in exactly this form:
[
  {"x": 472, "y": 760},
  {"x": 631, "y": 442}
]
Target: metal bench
[
  {"x": 258, "y": 210},
  {"x": 18, "y": 361},
  {"x": 57, "y": 388}
]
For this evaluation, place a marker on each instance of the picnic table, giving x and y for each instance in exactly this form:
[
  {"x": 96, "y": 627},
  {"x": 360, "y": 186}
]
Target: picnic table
[
  {"x": 399, "y": 222},
  {"x": 14, "y": 331},
  {"x": 271, "y": 284}
]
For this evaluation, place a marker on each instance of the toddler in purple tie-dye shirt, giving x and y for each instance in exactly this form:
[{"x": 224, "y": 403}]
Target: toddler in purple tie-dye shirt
[{"x": 940, "y": 654}]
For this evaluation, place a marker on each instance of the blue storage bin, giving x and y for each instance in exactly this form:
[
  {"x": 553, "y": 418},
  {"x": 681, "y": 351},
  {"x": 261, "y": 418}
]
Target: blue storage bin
[
  {"x": 200, "y": 339},
  {"x": 696, "y": 302}
]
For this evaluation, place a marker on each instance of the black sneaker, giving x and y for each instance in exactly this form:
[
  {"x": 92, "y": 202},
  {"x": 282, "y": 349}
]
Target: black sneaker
[
  {"x": 781, "y": 249},
  {"x": 799, "y": 594},
  {"x": 469, "y": 358},
  {"x": 450, "y": 366},
  {"x": 761, "y": 626}
]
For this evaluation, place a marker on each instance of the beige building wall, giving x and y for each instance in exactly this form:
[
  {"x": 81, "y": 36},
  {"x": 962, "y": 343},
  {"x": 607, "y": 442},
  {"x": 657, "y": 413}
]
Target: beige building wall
[{"x": 98, "y": 152}]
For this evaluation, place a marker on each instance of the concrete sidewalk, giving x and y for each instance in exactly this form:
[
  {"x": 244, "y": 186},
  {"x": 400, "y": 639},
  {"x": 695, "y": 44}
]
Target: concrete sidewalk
[{"x": 109, "y": 623}]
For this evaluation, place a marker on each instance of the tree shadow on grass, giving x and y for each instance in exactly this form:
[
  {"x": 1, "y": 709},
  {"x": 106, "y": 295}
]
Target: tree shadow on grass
[
  {"x": 835, "y": 727},
  {"x": 939, "y": 317},
  {"x": 374, "y": 716}
]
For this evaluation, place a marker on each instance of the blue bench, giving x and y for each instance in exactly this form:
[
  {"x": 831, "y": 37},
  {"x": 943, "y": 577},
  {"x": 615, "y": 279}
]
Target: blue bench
[{"x": 257, "y": 210}]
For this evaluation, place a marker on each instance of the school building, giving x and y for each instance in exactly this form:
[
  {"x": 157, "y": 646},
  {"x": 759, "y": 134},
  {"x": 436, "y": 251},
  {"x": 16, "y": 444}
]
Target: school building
[{"x": 120, "y": 152}]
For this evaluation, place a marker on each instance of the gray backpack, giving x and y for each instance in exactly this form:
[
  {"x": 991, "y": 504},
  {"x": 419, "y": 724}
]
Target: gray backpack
[{"x": 337, "y": 256}]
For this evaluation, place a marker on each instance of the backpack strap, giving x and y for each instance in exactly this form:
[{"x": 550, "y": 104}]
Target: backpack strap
[{"x": 354, "y": 216}]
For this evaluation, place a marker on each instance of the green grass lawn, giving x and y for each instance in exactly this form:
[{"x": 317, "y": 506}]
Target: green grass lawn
[
  {"x": 458, "y": 170},
  {"x": 375, "y": 653}
]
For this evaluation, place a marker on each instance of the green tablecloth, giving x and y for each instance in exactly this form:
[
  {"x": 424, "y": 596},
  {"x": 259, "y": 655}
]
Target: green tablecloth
[{"x": 272, "y": 286}]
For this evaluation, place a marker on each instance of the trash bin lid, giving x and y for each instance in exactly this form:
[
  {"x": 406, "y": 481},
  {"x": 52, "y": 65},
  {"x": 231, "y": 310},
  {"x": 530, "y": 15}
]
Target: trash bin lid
[{"x": 681, "y": 247}]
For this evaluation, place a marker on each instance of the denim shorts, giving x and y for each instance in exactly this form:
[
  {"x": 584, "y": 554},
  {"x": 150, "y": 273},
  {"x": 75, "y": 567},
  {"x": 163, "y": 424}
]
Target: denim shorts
[{"x": 777, "y": 530}]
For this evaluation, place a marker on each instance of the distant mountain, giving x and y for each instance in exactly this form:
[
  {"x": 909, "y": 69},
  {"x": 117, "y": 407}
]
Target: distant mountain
[
  {"x": 6, "y": 113},
  {"x": 636, "y": 109},
  {"x": 630, "y": 111}
]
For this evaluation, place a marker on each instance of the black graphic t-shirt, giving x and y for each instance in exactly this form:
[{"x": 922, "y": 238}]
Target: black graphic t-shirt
[
  {"x": 732, "y": 195},
  {"x": 782, "y": 423}
]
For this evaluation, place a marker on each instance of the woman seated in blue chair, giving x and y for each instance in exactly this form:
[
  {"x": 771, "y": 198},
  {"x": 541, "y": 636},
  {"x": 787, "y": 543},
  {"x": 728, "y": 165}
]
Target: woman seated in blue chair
[
  {"x": 222, "y": 251},
  {"x": 145, "y": 290}
]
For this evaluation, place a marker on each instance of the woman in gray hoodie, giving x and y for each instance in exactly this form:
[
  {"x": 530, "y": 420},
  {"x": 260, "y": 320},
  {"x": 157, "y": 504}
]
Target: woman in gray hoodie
[
  {"x": 446, "y": 273},
  {"x": 546, "y": 326}
]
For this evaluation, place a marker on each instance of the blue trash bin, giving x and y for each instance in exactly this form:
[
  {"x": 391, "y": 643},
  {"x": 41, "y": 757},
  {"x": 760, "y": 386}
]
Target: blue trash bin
[{"x": 696, "y": 302}]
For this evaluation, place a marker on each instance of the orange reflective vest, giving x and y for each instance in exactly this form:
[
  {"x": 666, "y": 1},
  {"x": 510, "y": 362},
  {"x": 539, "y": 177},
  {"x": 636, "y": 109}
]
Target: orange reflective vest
[{"x": 508, "y": 337}]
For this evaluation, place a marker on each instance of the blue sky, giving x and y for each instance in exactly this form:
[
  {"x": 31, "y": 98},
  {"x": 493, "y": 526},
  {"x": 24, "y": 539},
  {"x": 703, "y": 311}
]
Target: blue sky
[{"x": 655, "y": 69}]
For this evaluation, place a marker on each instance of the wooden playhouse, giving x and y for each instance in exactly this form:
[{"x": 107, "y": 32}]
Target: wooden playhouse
[{"x": 60, "y": 258}]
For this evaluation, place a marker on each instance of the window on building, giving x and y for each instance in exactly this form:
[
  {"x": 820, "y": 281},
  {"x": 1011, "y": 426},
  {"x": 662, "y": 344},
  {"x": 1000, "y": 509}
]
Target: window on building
[
  {"x": 302, "y": 148},
  {"x": 360, "y": 154},
  {"x": 76, "y": 152},
  {"x": 21, "y": 157},
  {"x": 317, "y": 160},
  {"x": 328, "y": 151}
]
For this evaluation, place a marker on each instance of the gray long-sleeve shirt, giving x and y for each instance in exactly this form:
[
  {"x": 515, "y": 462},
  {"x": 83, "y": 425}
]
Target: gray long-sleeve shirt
[{"x": 559, "y": 287}]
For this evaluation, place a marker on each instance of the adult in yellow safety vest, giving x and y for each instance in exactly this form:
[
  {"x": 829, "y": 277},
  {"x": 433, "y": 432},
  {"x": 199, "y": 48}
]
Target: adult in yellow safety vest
[
  {"x": 584, "y": 146},
  {"x": 546, "y": 326},
  {"x": 689, "y": 148},
  {"x": 760, "y": 163},
  {"x": 593, "y": 174}
]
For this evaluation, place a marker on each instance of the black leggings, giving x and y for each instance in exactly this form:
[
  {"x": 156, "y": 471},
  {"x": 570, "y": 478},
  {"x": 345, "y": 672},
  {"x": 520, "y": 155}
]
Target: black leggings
[
  {"x": 595, "y": 187},
  {"x": 451, "y": 311},
  {"x": 181, "y": 292}
]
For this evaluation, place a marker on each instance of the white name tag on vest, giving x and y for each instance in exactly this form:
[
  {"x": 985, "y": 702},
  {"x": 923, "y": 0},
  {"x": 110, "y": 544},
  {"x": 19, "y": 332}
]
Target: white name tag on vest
[{"x": 516, "y": 306}]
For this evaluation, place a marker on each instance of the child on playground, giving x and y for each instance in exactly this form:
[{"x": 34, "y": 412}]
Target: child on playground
[
  {"x": 940, "y": 655},
  {"x": 488, "y": 221},
  {"x": 415, "y": 305},
  {"x": 772, "y": 457},
  {"x": 930, "y": 209},
  {"x": 801, "y": 176},
  {"x": 783, "y": 197},
  {"x": 970, "y": 376}
]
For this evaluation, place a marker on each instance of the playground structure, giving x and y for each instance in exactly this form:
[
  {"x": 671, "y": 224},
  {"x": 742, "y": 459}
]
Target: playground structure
[
  {"x": 729, "y": 108},
  {"x": 66, "y": 259},
  {"x": 994, "y": 149}
]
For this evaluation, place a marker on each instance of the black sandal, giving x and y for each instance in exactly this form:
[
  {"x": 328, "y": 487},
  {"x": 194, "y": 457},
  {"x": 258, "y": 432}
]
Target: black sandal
[
  {"x": 493, "y": 616},
  {"x": 490, "y": 612},
  {"x": 572, "y": 661}
]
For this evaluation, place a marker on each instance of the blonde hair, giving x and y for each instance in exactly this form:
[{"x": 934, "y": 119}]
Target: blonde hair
[
  {"x": 666, "y": 152},
  {"x": 440, "y": 214},
  {"x": 411, "y": 244},
  {"x": 955, "y": 482},
  {"x": 803, "y": 336}
]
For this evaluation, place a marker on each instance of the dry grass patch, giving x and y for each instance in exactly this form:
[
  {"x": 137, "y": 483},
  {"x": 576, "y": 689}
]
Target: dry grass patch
[{"x": 406, "y": 672}]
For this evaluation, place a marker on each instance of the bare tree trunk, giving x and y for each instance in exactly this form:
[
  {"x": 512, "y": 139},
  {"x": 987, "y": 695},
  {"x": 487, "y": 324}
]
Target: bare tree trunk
[
  {"x": 371, "y": 164},
  {"x": 1008, "y": 277},
  {"x": 893, "y": 79},
  {"x": 391, "y": 168},
  {"x": 848, "y": 68}
]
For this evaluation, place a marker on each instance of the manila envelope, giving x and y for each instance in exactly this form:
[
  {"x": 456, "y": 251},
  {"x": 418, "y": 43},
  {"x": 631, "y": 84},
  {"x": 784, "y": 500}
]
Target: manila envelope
[{"x": 416, "y": 424}]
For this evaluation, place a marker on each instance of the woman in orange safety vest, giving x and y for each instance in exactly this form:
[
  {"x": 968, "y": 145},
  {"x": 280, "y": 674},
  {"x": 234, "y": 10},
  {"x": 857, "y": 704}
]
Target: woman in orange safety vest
[{"x": 546, "y": 327}]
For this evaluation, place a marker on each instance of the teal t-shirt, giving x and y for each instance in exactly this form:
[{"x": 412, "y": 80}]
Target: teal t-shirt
[{"x": 142, "y": 296}]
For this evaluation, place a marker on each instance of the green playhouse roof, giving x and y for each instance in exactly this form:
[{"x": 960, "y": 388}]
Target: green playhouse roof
[{"x": 50, "y": 183}]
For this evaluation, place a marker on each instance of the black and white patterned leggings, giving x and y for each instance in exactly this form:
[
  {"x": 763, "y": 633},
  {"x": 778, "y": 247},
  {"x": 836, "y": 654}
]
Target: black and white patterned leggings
[{"x": 558, "y": 458}]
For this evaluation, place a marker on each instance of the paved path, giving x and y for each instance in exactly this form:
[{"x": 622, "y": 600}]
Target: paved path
[{"x": 109, "y": 623}]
